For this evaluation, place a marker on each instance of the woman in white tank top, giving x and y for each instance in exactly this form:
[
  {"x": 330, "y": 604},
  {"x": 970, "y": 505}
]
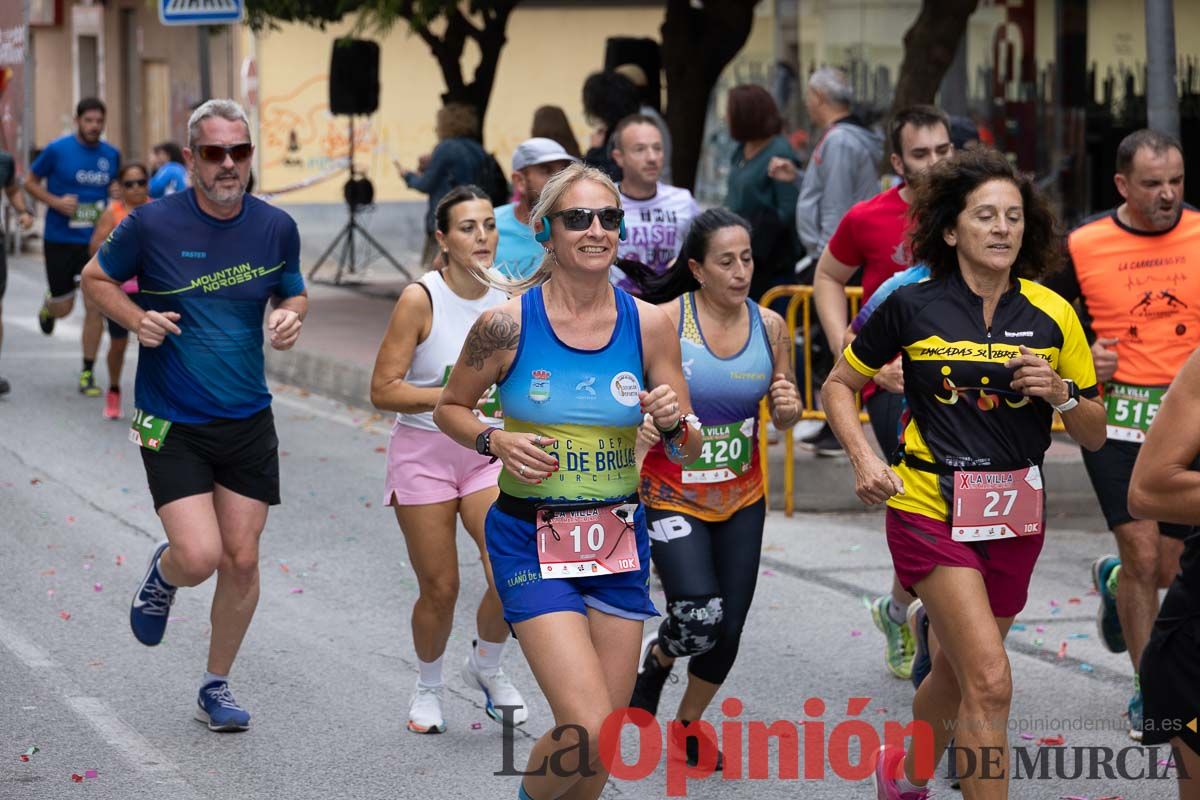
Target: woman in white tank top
[{"x": 430, "y": 480}]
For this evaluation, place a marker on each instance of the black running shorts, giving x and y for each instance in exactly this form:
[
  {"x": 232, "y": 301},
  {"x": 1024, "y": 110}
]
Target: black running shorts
[
  {"x": 64, "y": 263},
  {"x": 1109, "y": 469},
  {"x": 1170, "y": 671},
  {"x": 115, "y": 330},
  {"x": 240, "y": 454}
]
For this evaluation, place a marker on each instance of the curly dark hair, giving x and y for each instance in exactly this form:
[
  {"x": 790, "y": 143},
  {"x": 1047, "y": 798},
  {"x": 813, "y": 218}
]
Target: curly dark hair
[
  {"x": 941, "y": 195},
  {"x": 609, "y": 97}
]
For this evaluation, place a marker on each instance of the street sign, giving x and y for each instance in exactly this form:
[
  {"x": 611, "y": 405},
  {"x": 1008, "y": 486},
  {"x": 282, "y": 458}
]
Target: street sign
[{"x": 200, "y": 12}]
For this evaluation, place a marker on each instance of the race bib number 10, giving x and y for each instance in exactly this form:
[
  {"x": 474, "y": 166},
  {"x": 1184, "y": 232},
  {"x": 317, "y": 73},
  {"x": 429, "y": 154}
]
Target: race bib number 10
[
  {"x": 726, "y": 454},
  {"x": 583, "y": 543},
  {"x": 148, "y": 431},
  {"x": 1131, "y": 409}
]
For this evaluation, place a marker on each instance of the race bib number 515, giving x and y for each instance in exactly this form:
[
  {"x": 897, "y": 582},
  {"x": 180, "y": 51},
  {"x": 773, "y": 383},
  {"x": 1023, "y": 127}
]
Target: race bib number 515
[{"x": 1131, "y": 409}]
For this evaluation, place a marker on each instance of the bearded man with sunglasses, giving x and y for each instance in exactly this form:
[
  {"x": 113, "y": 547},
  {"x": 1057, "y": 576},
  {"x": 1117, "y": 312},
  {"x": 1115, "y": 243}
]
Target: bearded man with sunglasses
[{"x": 207, "y": 262}]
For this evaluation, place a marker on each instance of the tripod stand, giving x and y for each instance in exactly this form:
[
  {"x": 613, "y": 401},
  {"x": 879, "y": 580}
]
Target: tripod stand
[{"x": 358, "y": 193}]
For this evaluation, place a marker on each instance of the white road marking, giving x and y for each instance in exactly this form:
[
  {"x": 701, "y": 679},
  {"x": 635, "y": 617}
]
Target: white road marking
[
  {"x": 29, "y": 653},
  {"x": 114, "y": 731},
  {"x": 117, "y": 733}
]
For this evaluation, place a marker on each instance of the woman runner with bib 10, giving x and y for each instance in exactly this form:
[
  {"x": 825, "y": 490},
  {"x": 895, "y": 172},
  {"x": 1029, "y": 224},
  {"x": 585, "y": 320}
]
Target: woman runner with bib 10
[
  {"x": 567, "y": 537},
  {"x": 987, "y": 356}
]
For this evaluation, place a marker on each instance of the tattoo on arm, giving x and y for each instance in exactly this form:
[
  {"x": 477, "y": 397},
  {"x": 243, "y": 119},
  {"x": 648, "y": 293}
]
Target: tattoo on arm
[
  {"x": 499, "y": 332},
  {"x": 777, "y": 335},
  {"x": 776, "y": 330}
]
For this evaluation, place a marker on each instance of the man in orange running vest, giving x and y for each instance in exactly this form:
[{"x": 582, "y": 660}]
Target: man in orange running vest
[{"x": 1136, "y": 270}]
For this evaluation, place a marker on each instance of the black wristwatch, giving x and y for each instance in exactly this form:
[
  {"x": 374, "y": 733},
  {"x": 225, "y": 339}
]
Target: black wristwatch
[{"x": 483, "y": 442}]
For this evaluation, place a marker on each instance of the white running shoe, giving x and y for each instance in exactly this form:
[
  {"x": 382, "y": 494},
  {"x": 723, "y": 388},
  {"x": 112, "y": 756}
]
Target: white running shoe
[
  {"x": 497, "y": 691},
  {"x": 425, "y": 710}
]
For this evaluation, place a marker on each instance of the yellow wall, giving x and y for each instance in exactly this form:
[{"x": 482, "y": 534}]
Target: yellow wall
[{"x": 539, "y": 65}]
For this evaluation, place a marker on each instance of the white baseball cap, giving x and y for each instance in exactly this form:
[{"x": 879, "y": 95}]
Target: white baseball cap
[{"x": 538, "y": 150}]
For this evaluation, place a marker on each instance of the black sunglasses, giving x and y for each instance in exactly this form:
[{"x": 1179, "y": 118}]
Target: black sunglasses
[
  {"x": 215, "y": 153},
  {"x": 580, "y": 219},
  {"x": 134, "y": 182}
]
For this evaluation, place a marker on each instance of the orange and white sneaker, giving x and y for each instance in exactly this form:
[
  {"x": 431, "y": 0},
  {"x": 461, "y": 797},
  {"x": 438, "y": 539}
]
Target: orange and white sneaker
[
  {"x": 425, "y": 710},
  {"x": 112, "y": 405}
]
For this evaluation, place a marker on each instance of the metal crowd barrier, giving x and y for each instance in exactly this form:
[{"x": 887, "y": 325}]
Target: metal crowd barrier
[{"x": 799, "y": 304}]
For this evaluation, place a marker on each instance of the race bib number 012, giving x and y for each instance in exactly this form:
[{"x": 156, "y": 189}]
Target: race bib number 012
[
  {"x": 997, "y": 505},
  {"x": 593, "y": 541},
  {"x": 1131, "y": 409},
  {"x": 148, "y": 431},
  {"x": 726, "y": 454}
]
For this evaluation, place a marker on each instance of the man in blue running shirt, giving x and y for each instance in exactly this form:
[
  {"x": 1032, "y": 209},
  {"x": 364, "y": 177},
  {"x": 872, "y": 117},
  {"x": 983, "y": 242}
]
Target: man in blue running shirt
[
  {"x": 207, "y": 261},
  {"x": 77, "y": 169}
]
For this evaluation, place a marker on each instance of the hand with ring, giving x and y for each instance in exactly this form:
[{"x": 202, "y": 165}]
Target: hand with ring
[
  {"x": 524, "y": 455},
  {"x": 662, "y": 405}
]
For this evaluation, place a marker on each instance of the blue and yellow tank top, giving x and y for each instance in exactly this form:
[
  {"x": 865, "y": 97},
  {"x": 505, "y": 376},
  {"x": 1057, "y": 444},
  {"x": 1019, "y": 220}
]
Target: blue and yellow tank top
[
  {"x": 725, "y": 396},
  {"x": 585, "y": 399}
]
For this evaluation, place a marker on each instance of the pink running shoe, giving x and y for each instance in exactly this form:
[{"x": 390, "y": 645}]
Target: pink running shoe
[
  {"x": 112, "y": 405},
  {"x": 889, "y": 766}
]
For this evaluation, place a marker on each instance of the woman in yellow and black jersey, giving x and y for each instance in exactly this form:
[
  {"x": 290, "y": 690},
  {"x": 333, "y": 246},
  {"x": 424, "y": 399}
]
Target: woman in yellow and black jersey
[{"x": 987, "y": 356}]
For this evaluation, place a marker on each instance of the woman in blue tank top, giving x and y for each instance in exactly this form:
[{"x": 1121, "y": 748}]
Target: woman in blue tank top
[
  {"x": 574, "y": 360},
  {"x": 706, "y": 517}
]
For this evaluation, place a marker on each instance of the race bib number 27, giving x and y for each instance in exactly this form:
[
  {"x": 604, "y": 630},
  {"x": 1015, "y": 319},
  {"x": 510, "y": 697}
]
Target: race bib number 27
[{"x": 997, "y": 505}]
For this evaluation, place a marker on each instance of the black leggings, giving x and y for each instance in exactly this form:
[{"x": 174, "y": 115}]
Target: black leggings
[{"x": 708, "y": 571}]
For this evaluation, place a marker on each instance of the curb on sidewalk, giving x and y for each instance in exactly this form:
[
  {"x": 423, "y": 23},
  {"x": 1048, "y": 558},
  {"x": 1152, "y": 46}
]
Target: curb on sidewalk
[{"x": 324, "y": 375}]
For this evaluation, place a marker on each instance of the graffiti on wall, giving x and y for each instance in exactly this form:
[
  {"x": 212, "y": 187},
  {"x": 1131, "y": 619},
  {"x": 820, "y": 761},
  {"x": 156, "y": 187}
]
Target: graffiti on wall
[{"x": 300, "y": 139}]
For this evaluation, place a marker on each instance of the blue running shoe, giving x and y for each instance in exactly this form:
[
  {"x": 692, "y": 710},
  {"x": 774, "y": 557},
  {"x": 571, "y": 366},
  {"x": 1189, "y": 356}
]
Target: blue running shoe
[
  {"x": 219, "y": 710},
  {"x": 1135, "y": 716},
  {"x": 1108, "y": 624},
  {"x": 151, "y": 603},
  {"x": 918, "y": 620}
]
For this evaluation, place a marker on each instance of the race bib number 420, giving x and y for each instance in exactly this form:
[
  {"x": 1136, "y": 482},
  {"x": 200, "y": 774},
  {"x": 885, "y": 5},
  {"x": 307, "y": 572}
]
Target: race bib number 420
[
  {"x": 726, "y": 454},
  {"x": 1131, "y": 409},
  {"x": 997, "y": 505},
  {"x": 148, "y": 431}
]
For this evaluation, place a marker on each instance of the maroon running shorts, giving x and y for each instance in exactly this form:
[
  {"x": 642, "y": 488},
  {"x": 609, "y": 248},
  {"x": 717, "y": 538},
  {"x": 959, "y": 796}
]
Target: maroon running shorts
[{"x": 920, "y": 543}]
